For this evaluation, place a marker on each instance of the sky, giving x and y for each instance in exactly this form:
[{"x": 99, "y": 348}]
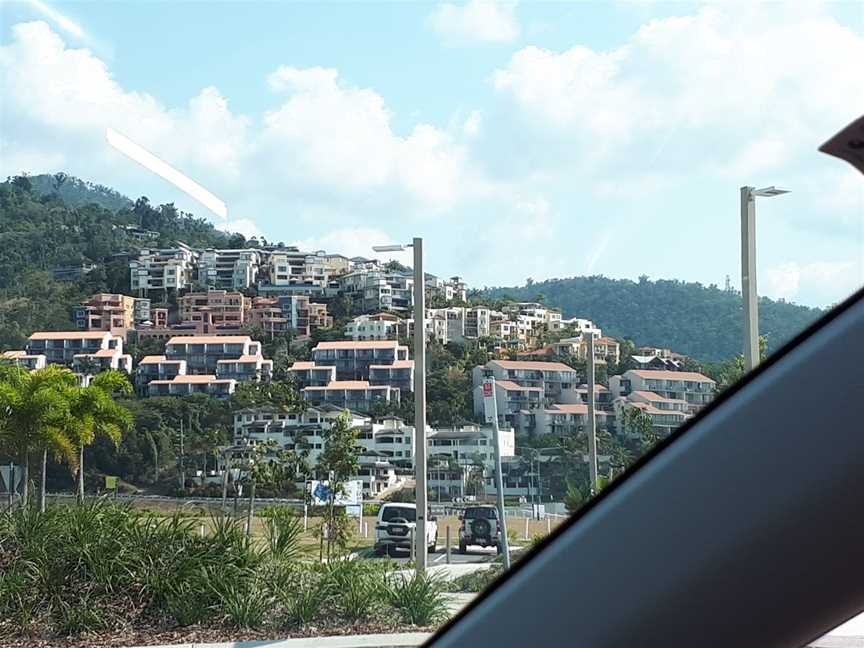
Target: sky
[{"x": 519, "y": 139}]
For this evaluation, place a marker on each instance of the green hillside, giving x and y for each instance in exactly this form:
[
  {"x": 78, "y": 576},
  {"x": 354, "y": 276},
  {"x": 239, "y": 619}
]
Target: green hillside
[
  {"x": 75, "y": 192},
  {"x": 39, "y": 231},
  {"x": 702, "y": 322}
]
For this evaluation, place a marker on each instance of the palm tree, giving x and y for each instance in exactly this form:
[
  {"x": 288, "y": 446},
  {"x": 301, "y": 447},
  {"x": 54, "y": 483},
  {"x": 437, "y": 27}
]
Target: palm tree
[
  {"x": 94, "y": 412},
  {"x": 35, "y": 415}
]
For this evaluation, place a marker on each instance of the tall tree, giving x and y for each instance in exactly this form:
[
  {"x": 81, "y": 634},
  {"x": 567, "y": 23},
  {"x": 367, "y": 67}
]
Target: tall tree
[
  {"x": 95, "y": 413},
  {"x": 35, "y": 415}
]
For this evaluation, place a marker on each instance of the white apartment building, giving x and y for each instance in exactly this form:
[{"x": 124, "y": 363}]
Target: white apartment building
[
  {"x": 227, "y": 356},
  {"x": 21, "y": 359},
  {"x": 453, "y": 453},
  {"x": 381, "y": 326},
  {"x": 579, "y": 326},
  {"x": 291, "y": 271},
  {"x": 561, "y": 419},
  {"x": 356, "y": 395},
  {"x": 478, "y": 321},
  {"x": 84, "y": 351},
  {"x": 357, "y": 360},
  {"x": 535, "y": 313},
  {"x": 665, "y": 414},
  {"x": 453, "y": 289},
  {"x": 442, "y": 324},
  {"x": 163, "y": 269},
  {"x": 523, "y": 385},
  {"x": 228, "y": 269},
  {"x": 185, "y": 385},
  {"x": 375, "y": 290},
  {"x": 689, "y": 386}
]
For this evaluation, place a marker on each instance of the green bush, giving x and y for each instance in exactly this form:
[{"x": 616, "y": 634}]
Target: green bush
[
  {"x": 418, "y": 599},
  {"x": 475, "y": 581}
]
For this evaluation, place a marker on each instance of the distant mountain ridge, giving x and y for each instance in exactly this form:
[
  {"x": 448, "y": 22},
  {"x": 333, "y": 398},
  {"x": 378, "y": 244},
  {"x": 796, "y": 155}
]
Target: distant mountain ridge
[{"x": 699, "y": 321}]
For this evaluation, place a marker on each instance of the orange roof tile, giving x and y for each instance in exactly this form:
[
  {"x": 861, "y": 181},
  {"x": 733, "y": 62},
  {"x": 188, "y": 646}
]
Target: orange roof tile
[
  {"x": 359, "y": 344},
  {"x": 573, "y": 408},
  {"x": 397, "y": 364},
  {"x": 347, "y": 384},
  {"x": 661, "y": 374},
  {"x": 509, "y": 385},
  {"x": 69, "y": 335},
  {"x": 532, "y": 366},
  {"x": 210, "y": 339},
  {"x": 651, "y": 396}
]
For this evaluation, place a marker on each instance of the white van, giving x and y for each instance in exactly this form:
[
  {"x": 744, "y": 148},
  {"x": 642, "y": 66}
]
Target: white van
[{"x": 394, "y": 525}]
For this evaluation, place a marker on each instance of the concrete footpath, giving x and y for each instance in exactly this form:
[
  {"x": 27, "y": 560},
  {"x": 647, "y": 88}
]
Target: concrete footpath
[{"x": 401, "y": 640}]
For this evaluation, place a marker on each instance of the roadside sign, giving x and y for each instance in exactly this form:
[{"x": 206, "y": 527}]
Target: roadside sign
[
  {"x": 848, "y": 144},
  {"x": 110, "y": 482},
  {"x": 489, "y": 405}
]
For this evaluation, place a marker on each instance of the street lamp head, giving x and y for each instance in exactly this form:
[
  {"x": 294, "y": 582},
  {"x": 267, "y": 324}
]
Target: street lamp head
[
  {"x": 390, "y": 248},
  {"x": 768, "y": 192}
]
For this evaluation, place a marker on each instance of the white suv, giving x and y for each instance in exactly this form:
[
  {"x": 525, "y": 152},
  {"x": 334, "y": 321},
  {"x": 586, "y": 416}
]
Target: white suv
[{"x": 394, "y": 526}]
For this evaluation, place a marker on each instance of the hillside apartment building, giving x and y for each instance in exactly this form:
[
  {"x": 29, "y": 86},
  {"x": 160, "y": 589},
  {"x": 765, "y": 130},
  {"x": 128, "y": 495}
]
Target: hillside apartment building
[
  {"x": 111, "y": 312},
  {"x": 82, "y": 351},
  {"x": 163, "y": 270},
  {"x": 229, "y": 269},
  {"x": 355, "y": 374}
]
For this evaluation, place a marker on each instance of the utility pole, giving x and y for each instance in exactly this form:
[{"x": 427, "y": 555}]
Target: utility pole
[
  {"x": 592, "y": 423},
  {"x": 420, "y": 404},
  {"x": 489, "y": 386},
  {"x": 182, "y": 461}
]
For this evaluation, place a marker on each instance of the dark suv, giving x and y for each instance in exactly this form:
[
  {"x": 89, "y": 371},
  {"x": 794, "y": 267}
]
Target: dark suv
[{"x": 479, "y": 527}]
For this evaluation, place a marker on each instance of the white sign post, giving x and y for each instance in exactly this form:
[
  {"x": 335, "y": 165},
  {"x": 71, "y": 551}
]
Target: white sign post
[{"x": 491, "y": 410}]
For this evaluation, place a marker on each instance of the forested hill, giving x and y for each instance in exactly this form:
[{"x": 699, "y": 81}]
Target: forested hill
[
  {"x": 40, "y": 231},
  {"x": 75, "y": 192},
  {"x": 705, "y": 323}
]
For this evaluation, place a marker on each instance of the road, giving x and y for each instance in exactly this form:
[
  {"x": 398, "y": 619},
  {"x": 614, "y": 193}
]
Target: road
[{"x": 474, "y": 555}]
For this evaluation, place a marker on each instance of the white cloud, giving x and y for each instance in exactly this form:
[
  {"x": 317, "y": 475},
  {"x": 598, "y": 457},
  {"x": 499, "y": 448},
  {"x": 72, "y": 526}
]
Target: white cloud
[
  {"x": 477, "y": 20},
  {"x": 718, "y": 76},
  {"x": 248, "y": 228},
  {"x": 792, "y": 280},
  {"x": 357, "y": 241},
  {"x": 322, "y": 137},
  {"x": 472, "y": 125}
]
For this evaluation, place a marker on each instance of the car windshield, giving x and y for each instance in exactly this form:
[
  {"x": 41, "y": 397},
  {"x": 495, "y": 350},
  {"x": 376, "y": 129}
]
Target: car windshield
[
  {"x": 399, "y": 513},
  {"x": 266, "y": 267},
  {"x": 480, "y": 513}
]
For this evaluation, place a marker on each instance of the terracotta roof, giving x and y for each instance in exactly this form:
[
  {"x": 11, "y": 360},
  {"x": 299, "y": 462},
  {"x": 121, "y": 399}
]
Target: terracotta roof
[
  {"x": 532, "y": 366},
  {"x": 509, "y": 385},
  {"x": 14, "y": 354},
  {"x": 303, "y": 364},
  {"x": 661, "y": 374},
  {"x": 155, "y": 359},
  {"x": 101, "y": 353},
  {"x": 606, "y": 340},
  {"x": 650, "y": 409},
  {"x": 207, "y": 378},
  {"x": 69, "y": 335},
  {"x": 347, "y": 384},
  {"x": 573, "y": 408},
  {"x": 397, "y": 364},
  {"x": 651, "y": 396},
  {"x": 359, "y": 344},
  {"x": 210, "y": 339},
  {"x": 242, "y": 358},
  {"x": 597, "y": 388}
]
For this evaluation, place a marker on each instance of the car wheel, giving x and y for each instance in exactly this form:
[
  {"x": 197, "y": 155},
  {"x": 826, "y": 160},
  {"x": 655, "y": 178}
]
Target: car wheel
[
  {"x": 463, "y": 548},
  {"x": 499, "y": 549},
  {"x": 434, "y": 545}
]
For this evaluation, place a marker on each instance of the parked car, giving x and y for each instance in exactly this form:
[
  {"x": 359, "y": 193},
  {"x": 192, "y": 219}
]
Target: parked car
[
  {"x": 480, "y": 526},
  {"x": 394, "y": 526}
]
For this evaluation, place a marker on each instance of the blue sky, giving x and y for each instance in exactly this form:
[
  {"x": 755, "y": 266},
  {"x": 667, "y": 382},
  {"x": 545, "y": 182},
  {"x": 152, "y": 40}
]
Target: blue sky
[{"x": 521, "y": 140}]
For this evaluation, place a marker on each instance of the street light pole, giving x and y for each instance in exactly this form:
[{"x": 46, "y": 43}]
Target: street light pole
[
  {"x": 748, "y": 270},
  {"x": 420, "y": 464},
  {"x": 748, "y": 278},
  {"x": 420, "y": 557},
  {"x": 592, "y": 422}
]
